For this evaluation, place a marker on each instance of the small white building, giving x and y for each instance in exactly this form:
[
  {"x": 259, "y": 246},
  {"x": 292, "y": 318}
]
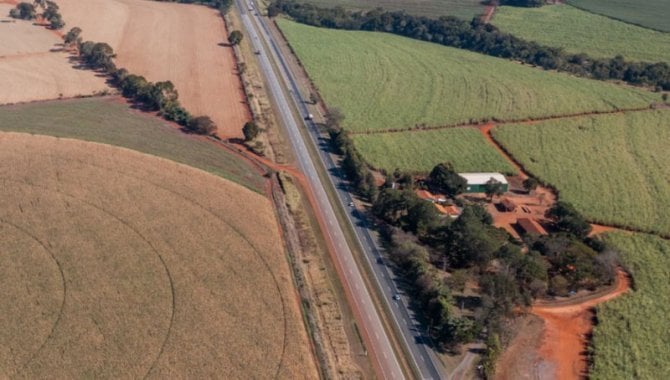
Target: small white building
[{"x": 477, "y": 181}]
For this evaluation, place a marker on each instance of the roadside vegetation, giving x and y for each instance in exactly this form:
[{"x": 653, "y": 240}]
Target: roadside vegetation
[
  {"x": 479, "y": 37},
  {"x": 385, "y": 82},
  {"x": 419, "y": 151},
  {"x": 579, "y": 31},
  {"x": 631, "y": 338},
  {"x": 104, "y": 120},
  {"x": 649, "y": 13},
  {"x": 613, "y": 168}
]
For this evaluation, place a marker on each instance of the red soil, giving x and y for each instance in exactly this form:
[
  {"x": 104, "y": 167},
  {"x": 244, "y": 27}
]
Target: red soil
[{"x": 566, "y": 329}]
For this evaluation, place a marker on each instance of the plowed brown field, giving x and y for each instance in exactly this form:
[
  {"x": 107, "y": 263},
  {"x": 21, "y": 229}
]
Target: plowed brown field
[
  {"x": 169, "y": 41},
  {"x": 30, "y": 70},
  {"x": 115, "y": 264}
]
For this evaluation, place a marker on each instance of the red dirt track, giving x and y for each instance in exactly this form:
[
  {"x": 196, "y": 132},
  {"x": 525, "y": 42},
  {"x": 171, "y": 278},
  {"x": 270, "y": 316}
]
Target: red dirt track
[{"x": 566, "y": 329}]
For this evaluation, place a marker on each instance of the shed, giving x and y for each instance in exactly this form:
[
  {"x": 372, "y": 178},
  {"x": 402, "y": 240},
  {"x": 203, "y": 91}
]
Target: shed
[
  {"x": 531, "y": 226},
  {"x": 476, "y": 182},
  {"x": 508, "y": 204}
]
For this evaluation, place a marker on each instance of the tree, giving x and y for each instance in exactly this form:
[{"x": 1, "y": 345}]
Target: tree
[
  {"x": 235, "y": 37},
  {"x": 314, "y": 99},
  {"x": 568, "y": 219},
  {"x": 56, "y": 22},
  {"x": 224, "y": 6},
  {"x": 446, "y": 180},
  {"x": 97, "y": 55},
  {"x": 250, "y": 131},
  {"x": 493, "y": 187},
  {"x": 664, "y": 97},
  {"x": 73, "y": 36},
  {"x": 202, "y": 125},
  {"x": 334, "y": 118},
  {"x": 530, "y": 184},
  {"x": 24, "y": 11}
]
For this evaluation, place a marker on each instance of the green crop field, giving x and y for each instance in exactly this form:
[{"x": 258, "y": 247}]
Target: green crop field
[
  {"x": 382, "y": 81},
  {"x": 648, "y": 13},
  {"x": 105, "y": 121},
  {"x": 578, "y": 31},
  {"x": 466, "y": 9},
  {"x": 614, "y": 168},
  {"x": 420, "y": 151},
  {"x": 631, "y": 339}
]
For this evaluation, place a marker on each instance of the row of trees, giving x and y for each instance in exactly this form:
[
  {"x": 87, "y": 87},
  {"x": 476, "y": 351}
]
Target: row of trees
[
  {"x": 222, "y": 5},
  {"x": 353, "y": 165},
  {"x": 28, "y": 11},
  {"x": 479, "y": 37},
  {"x": 160, "y": 96}
]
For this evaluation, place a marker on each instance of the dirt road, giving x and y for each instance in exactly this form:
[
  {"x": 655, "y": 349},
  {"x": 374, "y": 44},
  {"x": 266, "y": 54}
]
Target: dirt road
[
  {"x": 167, "y": 41},
  {"x": 567, "y": 327}
]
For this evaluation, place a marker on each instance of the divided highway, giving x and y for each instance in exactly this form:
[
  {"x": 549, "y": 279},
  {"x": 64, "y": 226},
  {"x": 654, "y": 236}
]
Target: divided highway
[{"x": 422, "y": 357}]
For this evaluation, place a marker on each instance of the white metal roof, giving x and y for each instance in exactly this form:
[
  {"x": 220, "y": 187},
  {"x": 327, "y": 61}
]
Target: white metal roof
[{"x": 482, "y": 178}]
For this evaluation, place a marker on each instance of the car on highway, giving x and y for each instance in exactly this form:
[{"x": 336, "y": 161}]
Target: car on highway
[
  {"x": 396, "y": 297},
  {"x": 351, "y": 204}
]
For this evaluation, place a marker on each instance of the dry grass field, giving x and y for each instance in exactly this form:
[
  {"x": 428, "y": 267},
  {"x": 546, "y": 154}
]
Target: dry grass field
[
  {"x": 116, "y": 264},
  {"x": 169, "y": 41},
  {"x": 30, "y": 70}
]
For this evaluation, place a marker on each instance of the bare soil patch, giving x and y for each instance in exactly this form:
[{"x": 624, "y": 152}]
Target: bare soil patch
[
  {"x": 167, "y": 41},
  {"x": 116, "y": 264},
  {"x": 567, "y": 328},
  {"x": 32, "y": 67}
]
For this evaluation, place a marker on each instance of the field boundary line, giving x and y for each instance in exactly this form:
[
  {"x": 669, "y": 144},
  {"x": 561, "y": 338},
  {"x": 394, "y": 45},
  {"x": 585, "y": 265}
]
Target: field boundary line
[{"x": 479, "y": 124}]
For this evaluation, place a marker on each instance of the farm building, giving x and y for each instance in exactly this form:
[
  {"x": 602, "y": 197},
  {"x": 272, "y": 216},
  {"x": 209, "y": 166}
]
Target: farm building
[
  {"x": 477, "y": 181},
  {"x": 531, "y": 226}
]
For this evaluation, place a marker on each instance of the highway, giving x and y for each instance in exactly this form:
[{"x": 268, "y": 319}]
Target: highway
[{"x": 411, "y": 334}]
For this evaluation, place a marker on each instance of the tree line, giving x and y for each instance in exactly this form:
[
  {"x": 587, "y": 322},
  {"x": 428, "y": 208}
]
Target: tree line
[
  {"x": 160, "y": 96},
  {"x": 28, "y": 11},
  {"x": 478, "y": 37},
  {"x": 222, "y": 5}
]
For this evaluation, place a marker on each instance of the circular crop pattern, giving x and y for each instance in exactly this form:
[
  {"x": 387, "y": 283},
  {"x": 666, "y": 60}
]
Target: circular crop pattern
[{"x": 117, "y": 264}]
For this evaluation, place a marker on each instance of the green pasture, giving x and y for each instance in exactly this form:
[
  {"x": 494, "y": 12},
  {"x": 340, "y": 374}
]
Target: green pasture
[
  {"x": 647, "y": 13},
  {"x": 613, "y": 168},
  {"x": 578, "y": 31},
  {"x": 420, "y": 151},
  {"x": 631, "y": 339},
  {"x": 381, "y": 81}
]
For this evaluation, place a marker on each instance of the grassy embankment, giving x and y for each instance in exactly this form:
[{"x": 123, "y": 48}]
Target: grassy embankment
[
  {"x": 613, "y": 168},
  {"x": 106, "y": 121},
  {"x": 578, "y": 31}
]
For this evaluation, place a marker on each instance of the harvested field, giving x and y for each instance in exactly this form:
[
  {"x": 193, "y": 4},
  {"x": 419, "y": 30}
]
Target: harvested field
[
  {"x": 420, "y": 151},
  {"x": 382, "y": 81},
  {"x": 169, "y": 41},
  {"x": 649, "y": 13},
  {"x": 30, "y": 70},
  {"x": 117, "y": 264},
  {"x": 110, "y": 121},
  {"x": 579, "y": 31},
  {"x": 631, "y": 339},
  {"x": 613, "y": 168}
]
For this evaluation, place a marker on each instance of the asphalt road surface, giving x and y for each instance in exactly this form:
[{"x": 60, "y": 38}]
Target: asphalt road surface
[{"x": 412, "y": 335}]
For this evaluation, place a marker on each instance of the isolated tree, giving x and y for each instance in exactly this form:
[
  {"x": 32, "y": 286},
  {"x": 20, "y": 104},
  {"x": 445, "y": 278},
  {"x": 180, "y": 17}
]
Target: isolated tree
[
  {"x": 530, "y": 184},
  {"x": 250, "y": 131},
  {"x": 24, "y": 11},
  {"x": 235, "y": 37},
  {"x": 493, "y": 187},
  {"x": 314, "y": 99},
  {"x": 73, "y": 36},
  {"x": 224, "y": 6},
  {"x": 665, "y": 97},
  {"x": 334, "y": 118},
  {"x": 56, "y": 22},
  {"x": 445, "y": 179},
  {"x": 202, "y": 125}
]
